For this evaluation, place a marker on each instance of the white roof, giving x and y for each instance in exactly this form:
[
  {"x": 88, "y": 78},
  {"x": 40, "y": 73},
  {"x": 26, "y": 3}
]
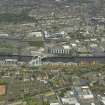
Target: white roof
[
  {"x": 37, "y": 34},
  {"x": 57, "y": 0},
  {"x": 86, "y": 40},
  {"x": 4, "y": 35},
  {"x": 10, "y": 60},
  {"x": 62, "y": 32},
  {"x": 54, "y": 104},
  {"x": 85, "y": 87},
  {"x": 103, "y": 39},
  {"x": 87, "y": 32},
  {"x": 41, "y": 49},
  {"x": 74, "y": 45},
  {"x": 93, "y": 45},
  {"x": 66, "y": 47},
  {"x": 77, "y": 41},
  {"x": 92, "y": 103},
  {"x": 70, "y": 101},
  {"x": 103, "y": 100},
  {"x": 88, "y": 96},
  {"x": 82, "y": 49},
  {"x": 93, "y": 39}
]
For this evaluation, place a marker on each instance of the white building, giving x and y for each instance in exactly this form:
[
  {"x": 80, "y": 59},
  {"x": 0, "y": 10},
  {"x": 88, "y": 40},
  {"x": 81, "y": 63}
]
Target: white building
[
  {"x": 35, "y": 34},
  {"x": 84, "y": 94},
  {"x": 54, "y": 35},
  {"x": 8, "y": 62},
  {"x": 54, "y": 104},
  {"x": 3, "y": 35},
  {"x": 101, "y": 99},
  {"x": 59, "y": 50},
  {"x": 68, "y": 99}
]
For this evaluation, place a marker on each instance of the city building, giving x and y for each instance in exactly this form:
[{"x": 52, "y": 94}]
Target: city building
[
  {"x": 101, "y": 99},
  {"x": 68, "y": 99},
  {"x": 84, "y": 94},
  {"x": 59, "y": 50},
  {"x": 3, "y": 35},
  {"x": 83, "y": 51},
  {"x": 8, "y": 61},
  {"x": 58, "y": 35},
  {"x": 37, "y": 35}
]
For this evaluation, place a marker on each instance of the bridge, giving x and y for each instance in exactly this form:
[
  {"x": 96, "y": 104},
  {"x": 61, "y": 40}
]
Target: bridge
[{"x": 65, "y": 59}]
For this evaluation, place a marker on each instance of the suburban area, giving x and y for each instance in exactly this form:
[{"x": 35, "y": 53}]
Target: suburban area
[{"x": 52, "y": 52}]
